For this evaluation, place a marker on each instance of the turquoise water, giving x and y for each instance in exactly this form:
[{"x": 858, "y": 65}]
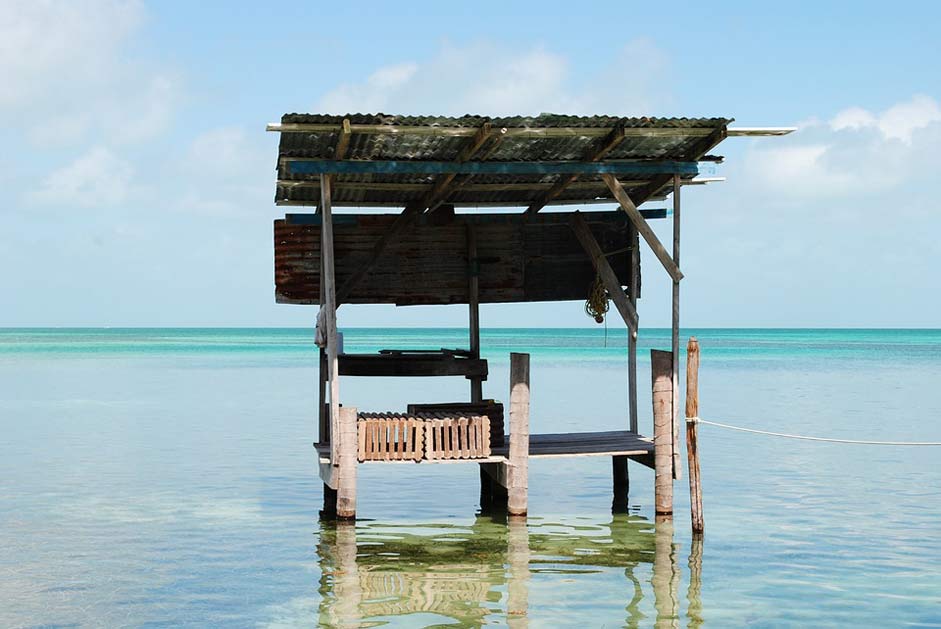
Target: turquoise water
[{"x": 165, "y": 478}]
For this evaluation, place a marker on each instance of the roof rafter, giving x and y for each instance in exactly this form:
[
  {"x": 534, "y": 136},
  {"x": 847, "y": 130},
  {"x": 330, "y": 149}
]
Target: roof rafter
[
  {"x": 444, "y": 183},
  {"x": 403, "y": 220},
  {"x": 610, "y": 142}
]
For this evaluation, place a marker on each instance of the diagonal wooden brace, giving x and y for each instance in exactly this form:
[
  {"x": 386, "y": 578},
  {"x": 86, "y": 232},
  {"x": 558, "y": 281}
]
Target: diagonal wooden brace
[
  {"x": 612, "y": 285},
  {"x": 642, "y": 227}
]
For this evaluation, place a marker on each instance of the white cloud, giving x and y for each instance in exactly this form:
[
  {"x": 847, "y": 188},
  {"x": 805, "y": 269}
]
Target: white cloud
[
  {"x": 487, "y": 79},
  {"x": 898, "y": 122},
  {"x": 49, "y": 47},
  {"x": 856, "y": 154},
  {"x": 97, "y": 178},
  {"x": 66, "y": 69},
  {"x": 225, "y": 173}
]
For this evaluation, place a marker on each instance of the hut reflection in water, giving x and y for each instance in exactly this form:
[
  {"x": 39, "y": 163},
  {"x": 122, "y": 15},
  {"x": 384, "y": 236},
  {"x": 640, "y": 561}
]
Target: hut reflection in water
[{"x": 445, "y": 575}]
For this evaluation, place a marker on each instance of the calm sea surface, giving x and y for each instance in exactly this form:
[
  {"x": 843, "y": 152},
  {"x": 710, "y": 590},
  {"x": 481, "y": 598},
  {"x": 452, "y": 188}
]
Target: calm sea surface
[{"x": 165, "y": 477}]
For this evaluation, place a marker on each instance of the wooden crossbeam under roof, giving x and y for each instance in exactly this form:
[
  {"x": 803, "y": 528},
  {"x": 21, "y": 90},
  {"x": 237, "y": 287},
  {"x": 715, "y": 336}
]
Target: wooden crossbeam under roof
[
  {"x": 530, "y": 132},
  {"x": 301, "y": 166}
]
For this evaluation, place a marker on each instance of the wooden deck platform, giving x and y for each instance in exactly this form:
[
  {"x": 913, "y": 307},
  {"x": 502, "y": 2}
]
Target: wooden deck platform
[{"x": 610, "y": 443}]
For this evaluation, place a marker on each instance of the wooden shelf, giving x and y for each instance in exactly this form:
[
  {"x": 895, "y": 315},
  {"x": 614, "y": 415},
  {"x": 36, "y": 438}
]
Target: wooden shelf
[
  {"x": 609, "y": 443},
  {"x": 411, "y": 364}
]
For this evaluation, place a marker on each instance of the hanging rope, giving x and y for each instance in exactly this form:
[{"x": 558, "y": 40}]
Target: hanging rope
[
  {"x": 697, "y": 420},
  {"x": 596, "y": 306}
]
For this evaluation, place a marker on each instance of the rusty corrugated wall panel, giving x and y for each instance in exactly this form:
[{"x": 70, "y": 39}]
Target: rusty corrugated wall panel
[{"x": 520, "y": 260}]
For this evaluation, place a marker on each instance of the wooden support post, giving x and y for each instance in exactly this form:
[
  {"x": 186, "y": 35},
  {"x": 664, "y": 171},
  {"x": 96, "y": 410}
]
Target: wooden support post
[
  {"x": 346, "y": 490},
  {"x": 473, "y": 300},
  {"x": 330, "y": 312},
  {"x": 692, "y": 446},
  {"x": 603, "y": 268},
  {"x": 323, "y": 411},
  {"x": 622, "y": 484},
  {"x": 518, "y": 465},
  {"x": 633, "y": 291},
  {"x": 675, "y": 327},
  {"x": 661, "y": 369}
]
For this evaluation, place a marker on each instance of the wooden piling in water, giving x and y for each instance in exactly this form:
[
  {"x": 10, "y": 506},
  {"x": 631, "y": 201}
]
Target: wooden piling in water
[
  {"x": 661, "y": 375},
  {"x": 347, "y": 446},
  {"x": 692, "y": 446},
  {"x": 518, "y": 465}
]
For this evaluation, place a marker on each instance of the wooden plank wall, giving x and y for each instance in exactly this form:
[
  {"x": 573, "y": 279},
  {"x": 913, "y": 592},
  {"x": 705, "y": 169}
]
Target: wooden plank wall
[{"x": 537, "y": 258}]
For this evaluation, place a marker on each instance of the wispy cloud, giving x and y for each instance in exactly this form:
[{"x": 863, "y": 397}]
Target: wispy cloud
[
  {"x": 491, "y": 79},
  {"x": 95, "y": 179}
]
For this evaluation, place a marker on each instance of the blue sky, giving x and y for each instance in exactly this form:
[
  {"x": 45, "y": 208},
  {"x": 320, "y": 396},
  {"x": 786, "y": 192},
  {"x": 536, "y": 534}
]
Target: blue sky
[{"x": 136, "y": 178}]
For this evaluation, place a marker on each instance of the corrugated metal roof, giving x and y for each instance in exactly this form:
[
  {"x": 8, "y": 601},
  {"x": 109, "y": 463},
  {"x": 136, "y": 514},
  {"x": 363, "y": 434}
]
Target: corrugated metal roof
[{"x": 548, "y": 138}]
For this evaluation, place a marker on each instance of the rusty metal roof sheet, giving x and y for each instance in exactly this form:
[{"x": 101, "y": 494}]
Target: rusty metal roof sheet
[{"x": 544, "y": 138}]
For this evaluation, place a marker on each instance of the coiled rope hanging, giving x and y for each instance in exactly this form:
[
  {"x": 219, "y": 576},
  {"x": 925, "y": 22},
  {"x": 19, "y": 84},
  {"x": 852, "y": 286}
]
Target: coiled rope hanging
[{"x": 596, "y": 306}]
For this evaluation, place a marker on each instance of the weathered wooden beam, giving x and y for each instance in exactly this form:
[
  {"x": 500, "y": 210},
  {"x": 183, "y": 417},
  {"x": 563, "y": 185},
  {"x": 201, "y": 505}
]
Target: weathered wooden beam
[
  {"x": 330, "y": 314},
  {"x": 647, "y": 213},
  {"x": 603, "y": 268},
  {"x": 642, "y": 227},
  {"x": 513, "y": 132},
  {"x": 385, "y": 186},
  {"x": 692, "y": 438},
  {"x": 610, "y": 142},
  {"x": 675, "y": 330},
  {"x": 442, "y": 185},
  {"x": 632, "y": 295},
  {"x": 343, "y": 141},
  {"x": 302, "y": 166}
]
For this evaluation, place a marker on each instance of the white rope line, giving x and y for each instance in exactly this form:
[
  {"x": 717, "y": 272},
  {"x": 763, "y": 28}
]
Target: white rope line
[{"x": 698, "y": 420}]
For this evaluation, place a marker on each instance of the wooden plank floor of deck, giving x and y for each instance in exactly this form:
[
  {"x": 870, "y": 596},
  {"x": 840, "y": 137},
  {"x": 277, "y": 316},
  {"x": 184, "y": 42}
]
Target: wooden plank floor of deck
[{"x": 608, "y": 443}]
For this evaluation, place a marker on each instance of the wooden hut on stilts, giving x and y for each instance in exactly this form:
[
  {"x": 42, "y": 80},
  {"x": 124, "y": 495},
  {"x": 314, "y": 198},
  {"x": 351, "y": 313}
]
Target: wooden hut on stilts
[{"x": 443, "y": 246}]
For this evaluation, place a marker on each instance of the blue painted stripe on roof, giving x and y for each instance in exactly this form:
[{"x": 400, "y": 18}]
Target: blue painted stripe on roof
[{"x": 390, "y": 167}]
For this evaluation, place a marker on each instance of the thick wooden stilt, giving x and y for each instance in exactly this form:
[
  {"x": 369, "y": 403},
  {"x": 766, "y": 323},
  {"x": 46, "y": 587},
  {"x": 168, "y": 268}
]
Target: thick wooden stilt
[
  {"x": 661, "y": 372},
  {"x": 346, "y": 490},
  {"x": 622, "y": 484},
  {"x": 518, "y": 465}
]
